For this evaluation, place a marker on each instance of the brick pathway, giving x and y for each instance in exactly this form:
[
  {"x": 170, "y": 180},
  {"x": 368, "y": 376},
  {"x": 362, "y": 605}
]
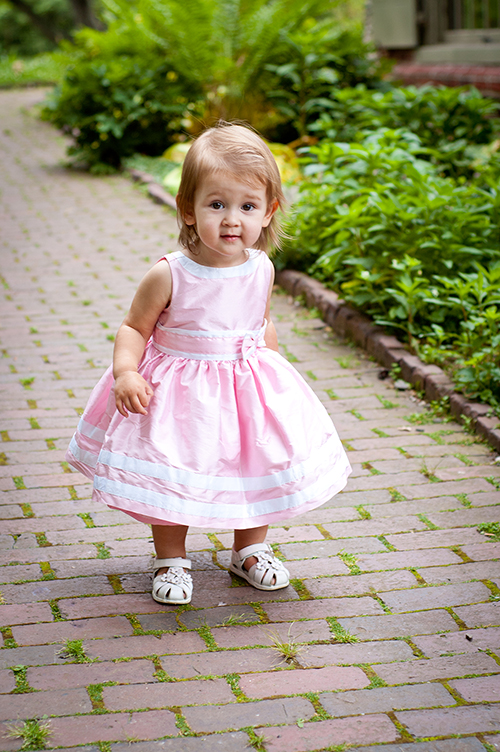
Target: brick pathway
[{"x": 391, "y": 624}]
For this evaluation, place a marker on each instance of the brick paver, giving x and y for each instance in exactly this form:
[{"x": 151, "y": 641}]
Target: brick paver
[{"x": 391, "y": 623}]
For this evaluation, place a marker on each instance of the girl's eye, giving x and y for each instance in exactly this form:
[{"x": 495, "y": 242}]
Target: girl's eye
[
  {"x": 248, "y": 207},
  {"x": 216, "y": 204}
]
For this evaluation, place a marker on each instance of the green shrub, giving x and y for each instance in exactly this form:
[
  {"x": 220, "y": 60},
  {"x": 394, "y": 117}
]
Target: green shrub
[
  {"x": 447, "y": 120},
  {"x": 216, "y": 58},
  {"x": 418, "y": 252},
  {"x": 114, "y": 101},
  {"x": 316, "y": 58}
]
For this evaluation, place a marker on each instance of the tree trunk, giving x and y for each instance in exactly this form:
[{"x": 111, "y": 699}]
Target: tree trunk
[
  {"x": 53, "y": 35},
  {"x": 84, "y": 16}
]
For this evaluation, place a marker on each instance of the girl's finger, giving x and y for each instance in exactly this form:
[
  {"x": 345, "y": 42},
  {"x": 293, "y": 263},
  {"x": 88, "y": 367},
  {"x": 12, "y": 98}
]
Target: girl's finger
[
  {"x": 121, "y": 409},
  {"x": 145, "y": 397},
  {"x": 136, "y": 405}
]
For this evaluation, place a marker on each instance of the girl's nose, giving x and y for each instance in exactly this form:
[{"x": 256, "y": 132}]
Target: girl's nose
[{"x": 231, "y": 217}]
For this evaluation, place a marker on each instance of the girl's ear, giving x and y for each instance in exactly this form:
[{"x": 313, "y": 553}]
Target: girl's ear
[
  {"x": 271, "y": 211},
  {"x": 188, "y": 216}
]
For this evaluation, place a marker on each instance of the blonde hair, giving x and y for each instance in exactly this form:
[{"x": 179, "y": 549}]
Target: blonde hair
[{"x": 235, "y": 150}]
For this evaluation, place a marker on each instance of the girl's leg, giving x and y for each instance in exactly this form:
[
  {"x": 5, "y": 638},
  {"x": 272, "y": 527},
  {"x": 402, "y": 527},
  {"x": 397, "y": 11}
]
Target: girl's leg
[
  {"x": 244, "y": 538},
  {"x": 171, "y": 585},
  {"x": 272, "y": 575},
  {"x": 170, "y": 542}
]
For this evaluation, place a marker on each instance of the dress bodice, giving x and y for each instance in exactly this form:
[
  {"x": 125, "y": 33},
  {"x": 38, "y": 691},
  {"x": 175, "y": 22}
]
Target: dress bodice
[{"x": 215, "y": 313}]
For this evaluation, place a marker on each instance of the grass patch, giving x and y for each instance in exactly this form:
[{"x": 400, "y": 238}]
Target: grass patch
[
  {"x": 464, "y": 500},
  {"x": 183, "y": 725},
  {"x": 386, "y": 543},
  {"x": 256, "y": 741},
  {"x": 372, "y": 470},
  {"x": 347, "y": 361},
  {"x": 465, "y": 459},
  {"x": 234, "y": 682},
  {"x": 206, "y": 635},
  {"x": 427, "y": 522},
  {"x": 8, "y": 637},
  {"x": 428, "y": 473},
  {"x": 363, "y": 513},
  {"x": 385, "y": 402},
  {"x": 95, "y": 695},
  {"x": 287, "y": 649},
  {"x": 301, "y": 589},
  {"x": 46, "y": 570},
  {"x": 74, "y": 650},
  {"x": 33, "y": 732},
  {"x": 494, "y": 482},
  {"x": 236, "y": 620},
  {"x": 396, "y": 495},
  {"x": 349, "y": 560},
  {"x": 490, "y": 529},
  {"x": 103, "y": 551},
  {"x": 340, "y": 634},
  {"x": 41, "y": 69},
  {"x": 85, "y": 516},
  {"x": 288, "y": 355},
  {"x": 22, "y": 685},
  {"x": 381, "y": 434}
]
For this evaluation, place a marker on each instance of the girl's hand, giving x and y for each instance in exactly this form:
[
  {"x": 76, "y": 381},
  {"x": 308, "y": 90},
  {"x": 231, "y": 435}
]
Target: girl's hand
[{"x": 132, "y": 393}]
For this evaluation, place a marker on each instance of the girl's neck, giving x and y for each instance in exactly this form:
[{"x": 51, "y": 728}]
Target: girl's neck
[{"x": 205, "y": 259}]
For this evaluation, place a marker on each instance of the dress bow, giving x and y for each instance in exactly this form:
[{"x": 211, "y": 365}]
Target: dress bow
[{"x": 253, "y": 340}]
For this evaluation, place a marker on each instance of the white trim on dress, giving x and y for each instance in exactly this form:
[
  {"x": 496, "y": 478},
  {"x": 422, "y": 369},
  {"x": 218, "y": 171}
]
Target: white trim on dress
[
  {"x": 217, "y": 272},
  {"x": 244, "y": 511},
  {"x": 217, "y": 482}
]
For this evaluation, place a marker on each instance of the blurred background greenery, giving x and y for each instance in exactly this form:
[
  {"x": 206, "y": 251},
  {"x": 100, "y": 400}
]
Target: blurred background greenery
[{"x": 396, "y": 198}]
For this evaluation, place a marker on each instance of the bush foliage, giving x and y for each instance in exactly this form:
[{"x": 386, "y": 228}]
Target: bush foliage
[
  {"x": 118, "y": 97},
  {"x": 193, "y": 62},
  {"x": 448, "y": 121},
  {"x": 417, "y": 251},
  {"x": 318, "y": 62}
]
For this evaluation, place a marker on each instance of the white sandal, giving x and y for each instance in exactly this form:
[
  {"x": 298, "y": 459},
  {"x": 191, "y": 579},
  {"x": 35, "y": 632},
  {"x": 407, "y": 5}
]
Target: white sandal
[
  {"x": 267, "y": 574},
  {"x": 175, "y": 586}
]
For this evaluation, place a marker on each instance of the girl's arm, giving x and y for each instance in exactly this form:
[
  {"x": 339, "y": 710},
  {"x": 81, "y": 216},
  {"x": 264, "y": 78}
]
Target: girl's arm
[
  {"x": 132, "y": 392},
  {"x": 270, "y": 336}
]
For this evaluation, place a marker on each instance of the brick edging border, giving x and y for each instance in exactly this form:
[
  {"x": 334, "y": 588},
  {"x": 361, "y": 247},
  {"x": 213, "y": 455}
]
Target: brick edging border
[
  {"x": 155, "y": 190},
  {"x": 348, "y": 322},
  {"x": 388, "y": 350}
]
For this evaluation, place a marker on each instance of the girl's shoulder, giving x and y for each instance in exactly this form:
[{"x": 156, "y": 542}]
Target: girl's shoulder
[
  {"x": 260, "y": 258},
  {"x": 172, "y": 257}
]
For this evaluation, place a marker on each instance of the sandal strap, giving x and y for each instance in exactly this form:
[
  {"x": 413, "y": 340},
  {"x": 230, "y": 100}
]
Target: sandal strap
[
  {"x": 177, "y": 562},
  {"x": 248, "y": 551}
]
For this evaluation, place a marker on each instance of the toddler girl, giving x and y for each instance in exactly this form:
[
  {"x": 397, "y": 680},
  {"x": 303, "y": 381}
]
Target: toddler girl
[{"x": 200, "y": 421}]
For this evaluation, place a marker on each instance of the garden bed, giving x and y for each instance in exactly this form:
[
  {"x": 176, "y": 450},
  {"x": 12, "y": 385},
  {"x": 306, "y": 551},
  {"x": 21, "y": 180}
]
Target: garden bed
[{"x": 430, "y": 380}]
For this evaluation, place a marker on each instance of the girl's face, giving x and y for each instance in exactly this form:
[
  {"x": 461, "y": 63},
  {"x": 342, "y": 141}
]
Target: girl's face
[{"x": 229, "y": 216}]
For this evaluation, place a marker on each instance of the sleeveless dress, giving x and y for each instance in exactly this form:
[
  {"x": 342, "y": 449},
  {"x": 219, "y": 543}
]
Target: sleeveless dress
[{"x": 234, "y": 437}]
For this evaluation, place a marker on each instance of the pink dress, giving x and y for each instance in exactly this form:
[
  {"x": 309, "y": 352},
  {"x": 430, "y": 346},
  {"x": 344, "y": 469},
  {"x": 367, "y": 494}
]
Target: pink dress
[{"x": 234, "y": 437}]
